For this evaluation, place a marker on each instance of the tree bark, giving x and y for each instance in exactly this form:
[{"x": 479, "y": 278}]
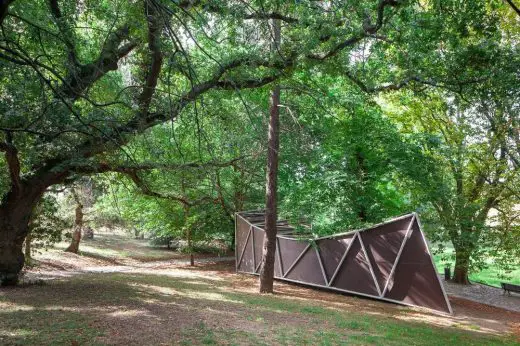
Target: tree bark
[
  {"x": 11, "y": 256},
  {"x": 27, "y": 249},
  {"x": 78, "y": 225},
  {"x": 461, "y": 270},
  {"x": 190, "y": 247},
  {"x": 15, "y": 213},
  {"x": 271, "y": 213}
]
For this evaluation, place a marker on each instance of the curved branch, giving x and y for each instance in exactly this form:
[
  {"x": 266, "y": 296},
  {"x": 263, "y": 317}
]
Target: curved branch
[{"x": 145, "y": 189}]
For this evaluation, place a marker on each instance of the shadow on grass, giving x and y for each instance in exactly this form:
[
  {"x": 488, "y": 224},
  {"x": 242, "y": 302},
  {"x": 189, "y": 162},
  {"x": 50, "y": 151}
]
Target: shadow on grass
[
  {"x": 44, "y": 327},
  {"x": 98, "y": 256},
  {"x": 144, "y": 308}
]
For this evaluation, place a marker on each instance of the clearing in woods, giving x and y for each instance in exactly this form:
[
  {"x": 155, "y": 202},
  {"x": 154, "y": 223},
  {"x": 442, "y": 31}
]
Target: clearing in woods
[{"x": 149, "y": 296}]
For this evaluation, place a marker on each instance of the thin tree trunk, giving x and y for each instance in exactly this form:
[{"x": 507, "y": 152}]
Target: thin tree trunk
[
  {"x": 271, "y": 214},
  {"x": 190, "y": 247},
  {"x": 362, "y": 177},
  {"x": 27, "y": 250},
  {"x": 78, "y": 226},
  {"x": 188, "y": 229}
]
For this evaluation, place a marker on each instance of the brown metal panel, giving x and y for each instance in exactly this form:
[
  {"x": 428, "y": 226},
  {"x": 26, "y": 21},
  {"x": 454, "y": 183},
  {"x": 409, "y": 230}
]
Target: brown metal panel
[
  {"x": 354, "y": 273},
  {"x": 289, "y": 251},
  {"x": 247, "y": 265},
  {"x": 382, "y": 244},
  {"x": 415, "y": 279},
  {"x": 241, "y": 234},
  {"x": 389, "y": 256},
  {"x": 258, "y": 235},
  {"x": 308, "y": 269},
  {"x": 331, "y": 251}
]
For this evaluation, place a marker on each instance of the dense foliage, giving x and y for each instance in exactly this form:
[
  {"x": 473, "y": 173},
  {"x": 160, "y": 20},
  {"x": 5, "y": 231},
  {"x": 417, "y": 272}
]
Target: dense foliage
[{"x": 387, "y": 106}]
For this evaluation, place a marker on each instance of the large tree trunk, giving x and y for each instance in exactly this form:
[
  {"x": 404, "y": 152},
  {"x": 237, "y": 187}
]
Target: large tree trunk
[
  {"x": 12, "y": 234},
  {"x": 271, "y": 214},
  {"x": 462, "y": 262},
  {"x": 78, "y": 226},
  {"x": 15, "y": 213}
]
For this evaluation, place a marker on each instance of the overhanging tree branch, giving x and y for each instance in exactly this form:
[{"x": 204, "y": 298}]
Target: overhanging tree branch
[
  {"x": 155, "y": 26},
  {"x": 368, "y": 30},
  {"x": 143, "y": 119},
  {"x": 4, "y": 7},
  {"x": 67, "y": 34},
  {"x": 103, "y": 167},
  {"x": 146, "y": 190},
  {"x": 82, "y": 77}
]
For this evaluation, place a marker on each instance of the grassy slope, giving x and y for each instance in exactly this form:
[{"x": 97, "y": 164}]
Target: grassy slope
[
  {"x": 490, "y": 276},
  {"x": 201, "y": 306},
  {"x": 189, "y": 308}
]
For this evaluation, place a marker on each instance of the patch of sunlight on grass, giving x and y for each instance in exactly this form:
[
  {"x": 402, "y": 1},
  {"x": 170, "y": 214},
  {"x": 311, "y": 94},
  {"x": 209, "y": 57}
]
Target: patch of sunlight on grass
[
  {"x": 194, "y": 294},
  {"x": 179, "y": 274},
  {"x": 129, "y": 313},
  {"x": 102, "y": 252},
  {"x": 6, "y": 307},
  {"x": 446, "y": 321},
  {"x": 16, "y": 333}
]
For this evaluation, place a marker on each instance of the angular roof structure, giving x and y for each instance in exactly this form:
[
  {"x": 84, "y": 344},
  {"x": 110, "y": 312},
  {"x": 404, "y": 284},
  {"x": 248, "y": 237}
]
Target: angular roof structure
[{"x": 390, "y": 261}]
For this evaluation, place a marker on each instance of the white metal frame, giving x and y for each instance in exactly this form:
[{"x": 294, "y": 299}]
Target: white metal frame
[{"x": 338, "y": 235}]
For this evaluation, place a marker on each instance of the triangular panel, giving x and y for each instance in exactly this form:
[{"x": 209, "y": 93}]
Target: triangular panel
[
  {"x": 242, "y": 229},
  {"x": 289, "y": 251},
  {"x": 382, "y": 244},
  {"x": 247, "y": 265},
  {"x": 331, "y": 252},
  {"x": 258, "y": 235},
  {"x": 415, "y": 279},
  {"x": 308, "y": 269},
  {"x": 354, "y": 273}
]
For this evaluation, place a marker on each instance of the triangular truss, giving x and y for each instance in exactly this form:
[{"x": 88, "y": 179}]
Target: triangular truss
[{"x": 390, "y": 261}]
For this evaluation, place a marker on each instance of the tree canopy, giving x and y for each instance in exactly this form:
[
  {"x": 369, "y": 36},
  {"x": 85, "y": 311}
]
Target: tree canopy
[{"x": 385, "y": 106}]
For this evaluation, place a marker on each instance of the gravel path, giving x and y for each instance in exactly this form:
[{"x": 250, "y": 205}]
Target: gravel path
[{"x": 484, "y": 294}]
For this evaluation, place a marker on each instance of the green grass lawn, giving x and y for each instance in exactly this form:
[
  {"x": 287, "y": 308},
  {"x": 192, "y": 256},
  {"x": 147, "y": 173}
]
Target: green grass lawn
[{"x": 491, "y": 275}]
